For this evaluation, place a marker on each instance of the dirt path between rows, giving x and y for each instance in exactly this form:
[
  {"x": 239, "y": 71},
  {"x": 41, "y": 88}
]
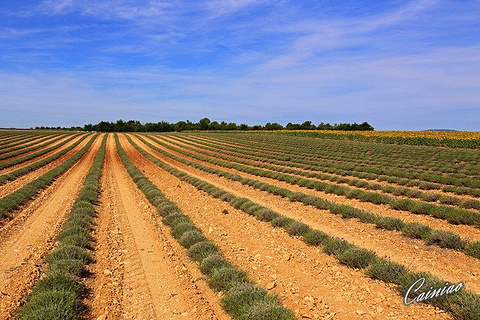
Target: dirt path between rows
[
  {"x": 450, "y": 265},
  {"x": 470, "y": 232},
  {"x": 371, "y": 161},
  {"x": 30, "y": 143},
  {"x": 46, "y": 155},
  {"x": 16, "y": 184},
  {"x": 383, "y": 183},
  {"x": 140, "y": 272},
  {"x": 309, "y": 282},
  {"x": 16, "y": 141},
  {"x": 33, "y": 151},
  {"x": 198, "y": 145},
  {"x": 31, "y": 234}
]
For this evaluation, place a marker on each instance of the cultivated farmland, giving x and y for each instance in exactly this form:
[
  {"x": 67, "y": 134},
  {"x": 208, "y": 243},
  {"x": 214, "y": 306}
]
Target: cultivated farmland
[{"x": 251, "y": 225}]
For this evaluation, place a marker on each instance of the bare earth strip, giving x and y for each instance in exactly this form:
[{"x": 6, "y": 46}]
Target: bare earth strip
[
  {"x": 140, "y": 272},
  {"x": 196, "y": 144},
  {"x": 470, "y": 232},
  {"x": 392, "y": 244},
  {"x": 383, "y": 183},
  {"x": 16, "y": 184},
  {"x": 11, "y": 141},
  {"x": 308, "y": 281},
  {"x": 28, "y": 237},
  {"x": 28, "y": 144},
  {"x": 33, "y": 151},
  {"x": 46, "y": 155}
]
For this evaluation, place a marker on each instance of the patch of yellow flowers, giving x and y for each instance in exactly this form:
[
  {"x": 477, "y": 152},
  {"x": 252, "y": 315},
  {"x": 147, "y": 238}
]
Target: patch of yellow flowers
[{"x": 458, "y": 135}]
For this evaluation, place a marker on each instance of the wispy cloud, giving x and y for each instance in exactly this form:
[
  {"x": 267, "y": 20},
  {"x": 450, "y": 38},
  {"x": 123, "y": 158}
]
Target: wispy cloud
[{"x": 321, "y": 36}]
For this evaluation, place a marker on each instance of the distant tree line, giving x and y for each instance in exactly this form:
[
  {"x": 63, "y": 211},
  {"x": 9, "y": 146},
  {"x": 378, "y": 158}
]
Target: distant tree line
[
  {"x": 206, "y": 124},
  {"x": 58, "y": 128}
]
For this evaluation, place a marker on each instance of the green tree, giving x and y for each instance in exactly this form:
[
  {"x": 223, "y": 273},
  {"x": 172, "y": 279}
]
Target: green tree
[{"x": 204, "y": 123}]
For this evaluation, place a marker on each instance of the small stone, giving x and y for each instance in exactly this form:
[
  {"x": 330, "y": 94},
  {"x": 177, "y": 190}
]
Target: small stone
[
  {"x": 225, "y": 211},
  {"x": 379, "y": 309},
  {"x": 270, "y": 285},
  {"x": 102, "y": 317},
  {"x": 360, "y": 312},
  {"x": 107, "y": 272}
]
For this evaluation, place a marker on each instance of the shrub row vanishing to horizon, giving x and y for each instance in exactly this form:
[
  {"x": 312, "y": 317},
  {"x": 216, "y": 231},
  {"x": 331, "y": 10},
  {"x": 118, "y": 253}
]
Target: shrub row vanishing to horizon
[
  {"x": 242, "y": 298},
  {"x": 463, "y": 305},
  {"x": 19, "y": 197},
  {"x": 27, "y": 145},
  {"x": 451, "y": 214},
  {"x": 442, "y": 238},
  {"x": 10, "y": 163},
  {"x": 24, "y": 170},
  {"x": 59, "y": 294},
  {"x": 461, "y": 163},
  {"x": 388, "y": 173},
  {"x": 266, "y": 161},
  {"x": 352, "y": 160}
]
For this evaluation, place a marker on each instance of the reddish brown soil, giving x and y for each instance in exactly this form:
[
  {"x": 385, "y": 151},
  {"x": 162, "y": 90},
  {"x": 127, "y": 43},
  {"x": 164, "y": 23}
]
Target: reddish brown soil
[
  {"x": 308, "y": 281},
  {"x": 140, "y": 270},
  {"x": 16, "y": 184},
  {"x": 33, "y": 151},
  {"x": 392, "y": 244},
  {"x": 383, "y": 183},
  {"x": 28, "y": 237},
  {"x": 469, "y": 232},
  {"x": 46, "y": 155}
]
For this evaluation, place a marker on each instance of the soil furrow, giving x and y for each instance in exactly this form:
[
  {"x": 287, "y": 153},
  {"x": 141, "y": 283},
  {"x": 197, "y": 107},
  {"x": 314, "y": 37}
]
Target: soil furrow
[
  {"x": 33, "y": 151},
  {"x": 28, "y": 237},
  {"x": 30, "y": 143},
  {"x": 16, "y": 184},
  {"x": 139, "y": 273},
  {"x": 409, "y": 252},
  {"x": 43, "y": 156},
  {"x": 383, "y": 183},
  {"x": 179, "y": 139},
  {"x": 308, "y": 281},
  {"x": 410, "y": 162},
  {"x": 466, "y": 231}
]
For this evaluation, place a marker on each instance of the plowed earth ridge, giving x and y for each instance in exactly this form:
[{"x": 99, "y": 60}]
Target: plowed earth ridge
[
  {"x": 409, "y": 252},
  {"x": 197, "y": 143},
  {"x": 31, "y": 234},
  {"x": 470, "y": 232},
  {"x": 16, "y": 184},
  {"x": 319, "y": 170},
  {"x": 308, "y": 281},
  {"x": 140, "y": 273}
]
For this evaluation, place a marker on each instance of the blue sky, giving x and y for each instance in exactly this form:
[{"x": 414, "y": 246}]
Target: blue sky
[{"x": 400, "y": 65}]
